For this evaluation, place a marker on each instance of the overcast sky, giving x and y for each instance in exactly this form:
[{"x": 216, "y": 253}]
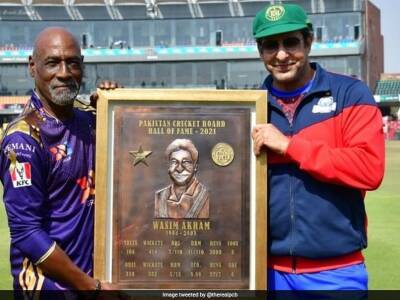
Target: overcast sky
[{"x": 390, "y": 16}]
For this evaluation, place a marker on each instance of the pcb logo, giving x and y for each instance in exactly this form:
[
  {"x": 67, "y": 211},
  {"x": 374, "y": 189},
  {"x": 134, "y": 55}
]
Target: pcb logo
[
  {"x": 21, "y": 174},
  {"x": 324, "y": 105},
  {"x": 274, "y": 12}
]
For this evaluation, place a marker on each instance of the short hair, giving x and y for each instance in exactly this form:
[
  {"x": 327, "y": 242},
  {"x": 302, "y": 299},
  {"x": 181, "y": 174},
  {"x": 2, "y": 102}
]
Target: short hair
[{"x": 182, "y": 144}]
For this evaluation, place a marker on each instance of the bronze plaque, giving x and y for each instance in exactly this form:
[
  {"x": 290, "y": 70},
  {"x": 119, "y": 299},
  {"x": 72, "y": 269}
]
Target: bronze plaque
[{"x": 179, "y": 186}]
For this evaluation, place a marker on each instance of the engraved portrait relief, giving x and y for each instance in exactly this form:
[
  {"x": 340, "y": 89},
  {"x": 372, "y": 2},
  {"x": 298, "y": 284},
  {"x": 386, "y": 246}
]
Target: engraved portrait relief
[{"x": 185, "y": 197}]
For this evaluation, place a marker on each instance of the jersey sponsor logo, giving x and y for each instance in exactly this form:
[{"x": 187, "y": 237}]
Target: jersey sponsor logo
[
  {"x": 20, "y": 146},
  {"x": 21, "y": 174},
  {"x": 20, "y": 149},
  {"x": 26, "y": 155},
  {"x": 62, "y": 151},
  {"x": 86, "y": 183},
  {"x": 324, "y": 105}
]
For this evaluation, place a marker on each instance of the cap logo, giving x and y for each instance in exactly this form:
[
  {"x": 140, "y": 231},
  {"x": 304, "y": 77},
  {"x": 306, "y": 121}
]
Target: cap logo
[{"x": 274, "y": 12}]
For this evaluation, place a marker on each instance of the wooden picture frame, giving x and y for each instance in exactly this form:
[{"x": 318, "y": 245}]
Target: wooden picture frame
[{"x": 138, "y": 247}]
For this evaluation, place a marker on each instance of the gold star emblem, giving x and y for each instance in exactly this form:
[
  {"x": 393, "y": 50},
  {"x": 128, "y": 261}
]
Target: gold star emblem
[{"x": 139, "y": 156}]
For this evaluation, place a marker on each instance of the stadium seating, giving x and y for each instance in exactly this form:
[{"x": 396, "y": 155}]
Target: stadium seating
[
  {"x": 388, "y": 87},
  {"x": 175, "y": 42}
]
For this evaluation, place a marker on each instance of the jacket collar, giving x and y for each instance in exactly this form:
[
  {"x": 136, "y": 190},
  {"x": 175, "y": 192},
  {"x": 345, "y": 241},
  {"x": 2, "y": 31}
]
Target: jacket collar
[
  {"x": 320, "y": 84},
  {"x": 35, "y": 101}
]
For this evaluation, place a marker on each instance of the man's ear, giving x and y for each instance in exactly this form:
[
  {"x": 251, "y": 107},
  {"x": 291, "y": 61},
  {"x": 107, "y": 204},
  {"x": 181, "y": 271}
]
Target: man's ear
[
  {"x": 31, "y": 66},
  {"x": 260, "y": 55}
]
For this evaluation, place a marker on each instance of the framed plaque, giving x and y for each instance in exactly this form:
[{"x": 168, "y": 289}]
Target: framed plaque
[{"x": 180, "y": 196}]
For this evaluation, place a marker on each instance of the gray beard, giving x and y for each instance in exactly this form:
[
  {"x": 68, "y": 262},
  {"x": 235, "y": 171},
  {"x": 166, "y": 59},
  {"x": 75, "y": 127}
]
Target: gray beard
[{"x": 65, "y": 97}]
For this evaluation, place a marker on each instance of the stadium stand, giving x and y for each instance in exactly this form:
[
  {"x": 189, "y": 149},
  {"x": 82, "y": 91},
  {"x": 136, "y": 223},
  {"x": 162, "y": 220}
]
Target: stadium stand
[
  {"x": 388, "y": 87},
  {"x": 387, "y": 94},
  {"x": 182, "y": 43},
  {"x": 51, "y": 9}
]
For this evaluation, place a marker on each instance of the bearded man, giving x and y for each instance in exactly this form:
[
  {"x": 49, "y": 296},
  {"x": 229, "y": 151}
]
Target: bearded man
[{"x": 47, "y": 169}]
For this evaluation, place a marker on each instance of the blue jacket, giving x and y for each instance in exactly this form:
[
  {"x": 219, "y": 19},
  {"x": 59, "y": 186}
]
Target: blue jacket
[{"x": 336, "y": 153}]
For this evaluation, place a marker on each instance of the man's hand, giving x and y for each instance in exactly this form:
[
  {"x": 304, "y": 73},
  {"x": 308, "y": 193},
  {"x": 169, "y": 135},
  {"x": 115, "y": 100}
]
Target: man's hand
[
  {"x": 59, "y": 267},
  {"x": 269, "y": 136},
  {"x": 107, "y": 286},
  {"x": 108, "y": 85},
  {"x": 111, "y": 291},
  {"x": 104, "y": 85}
]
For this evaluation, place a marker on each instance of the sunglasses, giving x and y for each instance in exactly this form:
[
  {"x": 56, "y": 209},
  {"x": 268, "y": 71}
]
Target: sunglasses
[{"x": 290, "y": 44}]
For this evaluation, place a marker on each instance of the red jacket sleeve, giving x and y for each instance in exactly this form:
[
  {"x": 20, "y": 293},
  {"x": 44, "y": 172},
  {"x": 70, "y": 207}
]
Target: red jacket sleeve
[{"x": 358, "y": 161}]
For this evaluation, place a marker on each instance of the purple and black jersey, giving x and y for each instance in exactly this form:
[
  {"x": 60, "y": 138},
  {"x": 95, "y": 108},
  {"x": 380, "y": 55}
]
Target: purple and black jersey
[{"x": 47, "y": 170}]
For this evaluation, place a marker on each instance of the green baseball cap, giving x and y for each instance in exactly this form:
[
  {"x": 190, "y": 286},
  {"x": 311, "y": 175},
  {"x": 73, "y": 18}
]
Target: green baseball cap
[{"x": 279, "y": 18}]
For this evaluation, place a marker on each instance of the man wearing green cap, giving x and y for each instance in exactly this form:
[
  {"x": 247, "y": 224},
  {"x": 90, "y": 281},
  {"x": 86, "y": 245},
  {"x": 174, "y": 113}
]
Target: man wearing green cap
[{"x": 325, "y": 150}]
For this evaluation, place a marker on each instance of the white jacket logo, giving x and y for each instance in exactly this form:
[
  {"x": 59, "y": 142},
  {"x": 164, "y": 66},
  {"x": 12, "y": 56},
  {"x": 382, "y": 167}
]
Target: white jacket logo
[{"x": 324, "y": 105}]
